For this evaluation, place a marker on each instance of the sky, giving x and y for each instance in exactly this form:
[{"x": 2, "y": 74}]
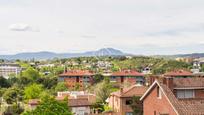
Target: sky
[{"x": 147, "y": 27}]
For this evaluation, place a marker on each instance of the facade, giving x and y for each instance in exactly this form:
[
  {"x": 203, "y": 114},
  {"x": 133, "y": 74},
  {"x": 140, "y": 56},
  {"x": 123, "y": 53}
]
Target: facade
[
  {"x": 80, "y": 106},
  {"x": 175, "y": 96},
  {"x": 76, "y": 95},
  {"x": 79, "y": 101},
  {"x": 73, "y": 78},
  {"x": 129, "y": 76},
  {"x": 120, "y": 101},
  {"x": 8, "y": 69}
]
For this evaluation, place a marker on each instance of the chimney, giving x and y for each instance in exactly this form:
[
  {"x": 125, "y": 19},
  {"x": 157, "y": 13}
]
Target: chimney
[
  {"x": 168, "y": 81},
  {"x": 152, "y": 79}
]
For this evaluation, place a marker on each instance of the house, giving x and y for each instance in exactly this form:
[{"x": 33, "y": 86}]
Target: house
[
  {"x": 130, "y": 76},
  {"x": 33, "y": 103},
  {"x": 74, "y": 78},
  {"x": 80, "y": 106},
  {"x": 120, "y": 101},
  {"x": 174, "y": 96},
  {"x": 7, "y": 69},
  {"x": 179, "y": 74},
  {"x": 76, "y": 95},
  {"x": 79, "y": 101}
]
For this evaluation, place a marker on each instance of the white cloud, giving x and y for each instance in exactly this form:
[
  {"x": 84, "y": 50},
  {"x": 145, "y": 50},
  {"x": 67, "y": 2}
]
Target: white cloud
[{"x": 23, "y": 27}]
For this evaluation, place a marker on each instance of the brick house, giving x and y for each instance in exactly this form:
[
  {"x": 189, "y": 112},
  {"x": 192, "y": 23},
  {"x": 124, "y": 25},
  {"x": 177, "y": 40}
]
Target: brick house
[
  {"x": 72, "y": 78},
  {"x": 179, "y": 74},
  {"x": 175, "y": 96},
  {"x": 130, "y": 76},
  {"x": 120, "y": 101}
]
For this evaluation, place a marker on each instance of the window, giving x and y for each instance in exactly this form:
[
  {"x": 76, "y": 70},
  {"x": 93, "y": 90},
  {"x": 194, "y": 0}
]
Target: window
[
  {"x": 128, "y": 113},
  {"x": 186, "y": 93},
  {"x": 158, "y": 92},
  {"x": 128, "y": 102}
]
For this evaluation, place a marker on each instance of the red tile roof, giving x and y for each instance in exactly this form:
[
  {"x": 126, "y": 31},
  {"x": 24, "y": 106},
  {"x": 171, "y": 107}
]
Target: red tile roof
[
  {"x": 77, "y": 73},
  {"x": 131, "y": 91},
  {"x": 179, "y": 73},
  {"x": 188, "y": 82},
  {"x": 78, "y": 102},
  {"x": 127, "y": 73}
]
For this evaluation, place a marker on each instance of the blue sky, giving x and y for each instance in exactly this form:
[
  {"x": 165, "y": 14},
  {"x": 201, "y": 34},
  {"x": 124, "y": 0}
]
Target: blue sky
[{"x": 133, "y": 26}]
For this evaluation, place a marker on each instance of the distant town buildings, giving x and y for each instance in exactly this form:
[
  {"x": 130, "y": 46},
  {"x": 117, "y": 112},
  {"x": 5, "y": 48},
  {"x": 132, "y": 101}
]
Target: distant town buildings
[
  {"x": 8, "y": 69},
  {"x": 185, "y": 59}
]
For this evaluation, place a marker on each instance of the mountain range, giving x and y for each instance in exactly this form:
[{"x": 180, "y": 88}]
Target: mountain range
[
  {"x": 100, "y": 52},
  {"x": 50, "y": 55}
]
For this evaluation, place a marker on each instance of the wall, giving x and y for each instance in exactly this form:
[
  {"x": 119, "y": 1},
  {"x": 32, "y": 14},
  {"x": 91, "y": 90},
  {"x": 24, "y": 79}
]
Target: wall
[
  {"x": 199, "y": 93},
  {"x": 80, "y": 110},
  {"x": 152, "y": 103}
]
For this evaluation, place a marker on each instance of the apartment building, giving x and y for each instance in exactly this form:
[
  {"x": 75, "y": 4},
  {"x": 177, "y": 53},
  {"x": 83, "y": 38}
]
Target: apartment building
[
  {"x": 8, "y": 69},
  {"x": 129, "y": 76},
  {"x": 73, "y": 78}
]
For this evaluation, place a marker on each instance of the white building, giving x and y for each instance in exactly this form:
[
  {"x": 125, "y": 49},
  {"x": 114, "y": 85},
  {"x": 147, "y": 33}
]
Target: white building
[{"x": 8, "y": 69}]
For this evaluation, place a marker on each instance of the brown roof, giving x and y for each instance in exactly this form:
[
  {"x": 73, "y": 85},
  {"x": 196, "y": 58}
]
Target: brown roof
[
  {"x": 131, "y": 91},
  {"x": 182, "y": 107},
  {"x": 78, "y": 102},
  {"x": 77, "y": 73},
  {"x": 188, "y": 82},
  {"x": 179, "y": 73},
  {"x": 127, "y": 73}
]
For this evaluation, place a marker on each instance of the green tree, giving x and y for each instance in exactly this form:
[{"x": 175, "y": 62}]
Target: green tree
[
  {"x": 103, "y": 91},
  {"x": 61, "y": 87},
  {"x": 202, "y": 68},
  {"x": 33, "y": 91},
  {"x": 47, "y": 82},
  {"x": 4, "y": 83},
  {"x": 13, "y": 95},
  {"x": 98, "y": 78},
  {"x": 50, "y": 106},
  {"x": 136, "y": 106},
  {"x": 31, "y": 73},
  {"x": 23, "y": 81}
]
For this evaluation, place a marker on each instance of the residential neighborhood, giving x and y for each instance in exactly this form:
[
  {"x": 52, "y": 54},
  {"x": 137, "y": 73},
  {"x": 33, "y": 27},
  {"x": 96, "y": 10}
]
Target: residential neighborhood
[
  {"x": 121, "y": 91},
  {"x": 101, "y": 57}
]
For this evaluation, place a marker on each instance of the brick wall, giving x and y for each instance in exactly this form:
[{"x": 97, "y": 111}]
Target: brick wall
[
  {"x": 199, "y": 93},
  {"x": 152, "y": 104}
]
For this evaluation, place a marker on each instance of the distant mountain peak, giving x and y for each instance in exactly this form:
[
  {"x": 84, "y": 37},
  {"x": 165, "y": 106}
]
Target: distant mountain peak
[
  {"x": 50, "y": 55},
  {"x": 108, "y": 51}
]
